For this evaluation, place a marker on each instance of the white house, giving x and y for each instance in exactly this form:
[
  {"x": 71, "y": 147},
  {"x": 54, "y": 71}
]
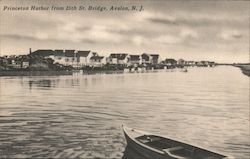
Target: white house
[
  {"x": 59, "y": 57},
  {"x": 97, "y": 61},
  {"x": 70, "y": 58},
  {"x": 134, "y": 60},
  {"x": 150, "y": 58},
  {"x": 118, "y": 58},
  {"x": 146, "y": 58},
  {"x": 83, "y": 58},
  {"x": 155, "y": 59}
]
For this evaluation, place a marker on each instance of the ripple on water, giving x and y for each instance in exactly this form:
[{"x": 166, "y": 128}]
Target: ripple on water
[{"x": 81, "y": 116}]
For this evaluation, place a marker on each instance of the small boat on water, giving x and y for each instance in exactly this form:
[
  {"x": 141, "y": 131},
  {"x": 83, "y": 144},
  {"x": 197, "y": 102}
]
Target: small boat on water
[{"x": 156, "y": 147}]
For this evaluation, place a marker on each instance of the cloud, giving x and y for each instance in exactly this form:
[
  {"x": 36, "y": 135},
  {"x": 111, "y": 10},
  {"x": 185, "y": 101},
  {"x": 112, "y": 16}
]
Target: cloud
[
  {"x": 163, "y": 26},
  {"x": 184, "y": 19},
  {"x": 230, "y": 35},
  {"x": 35, "y": 38},
  {"x": 168, "y": 39},
  {"x": 188, "y": 33},
  {"x": 138, "y": 40},
  {"x": 17, "y": 37}
]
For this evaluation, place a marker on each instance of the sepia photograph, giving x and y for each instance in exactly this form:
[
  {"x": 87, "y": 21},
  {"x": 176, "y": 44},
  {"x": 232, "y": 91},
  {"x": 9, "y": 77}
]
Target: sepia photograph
[{"x": 125, "y": 79}]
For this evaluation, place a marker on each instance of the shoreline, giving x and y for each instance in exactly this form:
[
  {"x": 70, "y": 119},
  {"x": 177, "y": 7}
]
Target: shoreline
[
  {"x": 35, "y": 73},
  {"x": 245, "y": 69},
  {"x": 72, "y": 72}
]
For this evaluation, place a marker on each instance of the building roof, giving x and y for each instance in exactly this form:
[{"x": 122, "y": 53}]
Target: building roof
[
  {"x": 134, "y": 57},
  {"x": 181, "y": 60},
  {"x": 43, "y": 53},
  {"x": 154, "y": 56},
  {"x": 96, "y": 57},
  {"x": 145, "y": 56},
  {"x": 170, "y": 60},
  {"x": 69, "y": 53},
  {"x": 58, "y": 53},
  {"x": 82, "y": 53},
  {"x": 119, "y": 56}
]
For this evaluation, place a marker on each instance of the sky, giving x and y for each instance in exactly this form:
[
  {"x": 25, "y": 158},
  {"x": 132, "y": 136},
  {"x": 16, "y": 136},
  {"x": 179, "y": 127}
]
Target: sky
[{"x": 188, "y": 29}]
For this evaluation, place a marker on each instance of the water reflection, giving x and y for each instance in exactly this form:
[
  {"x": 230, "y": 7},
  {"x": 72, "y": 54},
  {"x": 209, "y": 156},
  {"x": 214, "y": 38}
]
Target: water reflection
[
  {"x": 77, "y": 81},
  {"x": 81, "y": 116},
  {"x": 41, "y": 83}
]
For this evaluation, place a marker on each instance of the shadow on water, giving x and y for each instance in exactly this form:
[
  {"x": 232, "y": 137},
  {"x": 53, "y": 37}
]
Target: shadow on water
[{"x": 130, "y": 153}]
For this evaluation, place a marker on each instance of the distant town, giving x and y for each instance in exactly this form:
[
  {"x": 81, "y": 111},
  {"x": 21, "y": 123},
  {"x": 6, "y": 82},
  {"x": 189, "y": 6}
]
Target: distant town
[{"x": 41, "y": 60}]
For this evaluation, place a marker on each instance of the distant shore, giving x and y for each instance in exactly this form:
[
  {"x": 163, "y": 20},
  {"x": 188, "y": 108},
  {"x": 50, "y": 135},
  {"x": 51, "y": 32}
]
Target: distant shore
[{"x": 245, "y": 69}]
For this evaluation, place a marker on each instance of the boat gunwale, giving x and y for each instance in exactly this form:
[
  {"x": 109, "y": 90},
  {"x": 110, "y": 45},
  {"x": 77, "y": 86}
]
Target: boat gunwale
[{"x": 225, "y": 156}]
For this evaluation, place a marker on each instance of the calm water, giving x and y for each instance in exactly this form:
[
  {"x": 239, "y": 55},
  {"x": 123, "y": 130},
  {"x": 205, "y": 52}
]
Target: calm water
[{"x": 80, "y": 116}]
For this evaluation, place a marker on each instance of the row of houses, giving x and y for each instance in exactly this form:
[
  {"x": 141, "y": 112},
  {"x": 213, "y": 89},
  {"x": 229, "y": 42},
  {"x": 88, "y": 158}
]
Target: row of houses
[
  {"x": 15, "y": 62},
  {"x": 181, "y": 62},
  {"x": 80, "y": 58}
]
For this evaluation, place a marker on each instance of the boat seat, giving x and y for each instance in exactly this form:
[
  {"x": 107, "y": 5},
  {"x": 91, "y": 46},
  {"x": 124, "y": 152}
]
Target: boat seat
[{"x": 173, "y": 148}]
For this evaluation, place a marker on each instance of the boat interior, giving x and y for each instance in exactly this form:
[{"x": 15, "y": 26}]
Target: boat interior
[{"x": 178, "y": 149}]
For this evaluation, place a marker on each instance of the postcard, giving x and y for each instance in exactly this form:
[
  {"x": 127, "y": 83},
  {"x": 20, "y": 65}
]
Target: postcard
[{"x": 125, "y": 79}]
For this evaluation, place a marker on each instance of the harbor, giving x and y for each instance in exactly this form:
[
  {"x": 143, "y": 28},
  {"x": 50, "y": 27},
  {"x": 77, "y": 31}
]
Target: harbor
[{"x": 81, "y": 116}]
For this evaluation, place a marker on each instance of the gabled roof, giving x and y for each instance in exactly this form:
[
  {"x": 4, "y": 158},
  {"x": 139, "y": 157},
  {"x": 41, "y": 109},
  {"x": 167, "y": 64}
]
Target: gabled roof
[
  {"x": 119, "y": 56},
  {"x": 82, "y": 53},
  {"x": 69, "y": 53},
  {"x": 145, "y": 56},
  {"x": 134, "y": 57}
]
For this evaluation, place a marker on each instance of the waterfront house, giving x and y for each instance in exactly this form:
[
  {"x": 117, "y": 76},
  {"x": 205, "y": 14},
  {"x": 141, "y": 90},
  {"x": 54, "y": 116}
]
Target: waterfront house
[
  {"x": 118, "y": 58},
  {"x": 199, "y": 63},
  {"x": 83, "y": 58},
  {"x": 170, "y": 62},
  {"x": 3, "y": 62},
  {"x": 97, "y": 61},
  {"x": 181, "y": 62},
  {"x": 70, "y": 58},
  {"x": 190, "y": 63},
  {"x": 204, "y": 63},
  {"x": 155, "y": 59},
  {"x": 17, "y": 64},
  {"x": 13, "y": 62},
  {"x": 25, "y": 64},
  {"x": 211, "y": 63},
  {"x": 59, "y": 57},
  {"x": 25, "y": 61},
  {"x": 146, "y": 59},
  {"x": 134, "y": 60}
]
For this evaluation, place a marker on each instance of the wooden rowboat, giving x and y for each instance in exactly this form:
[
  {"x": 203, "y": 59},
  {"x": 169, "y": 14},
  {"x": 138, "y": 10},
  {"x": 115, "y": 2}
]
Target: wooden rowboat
[{"x": 157, "y": 147}]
